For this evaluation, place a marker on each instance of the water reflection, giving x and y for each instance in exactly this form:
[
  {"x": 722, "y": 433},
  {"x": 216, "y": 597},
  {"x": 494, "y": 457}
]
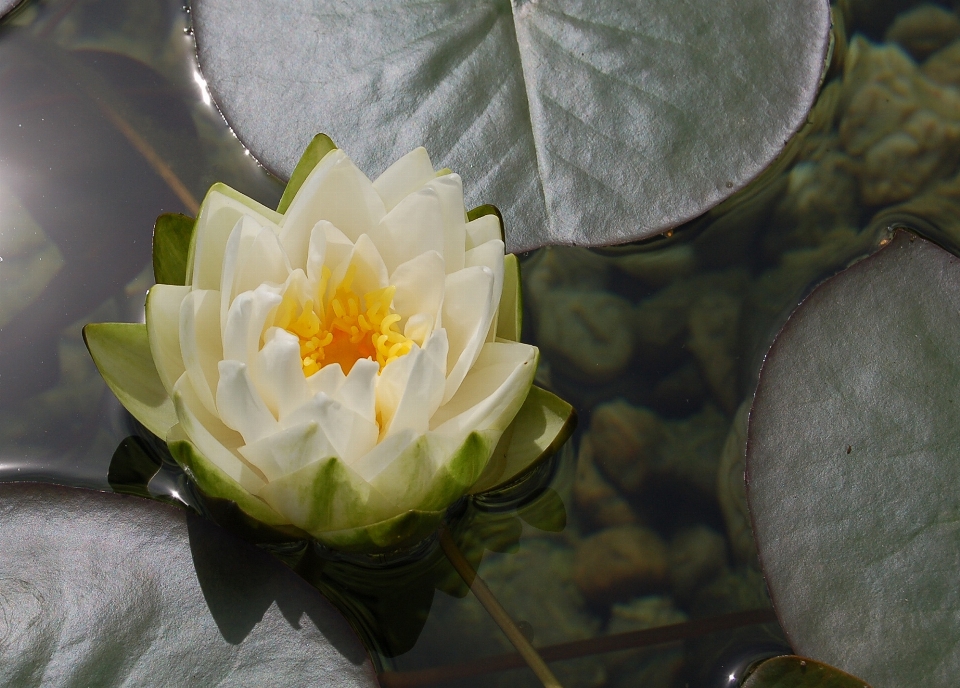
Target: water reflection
[
  {"x": 105, "y": 123},
  {"x": 102, "y": 128}
]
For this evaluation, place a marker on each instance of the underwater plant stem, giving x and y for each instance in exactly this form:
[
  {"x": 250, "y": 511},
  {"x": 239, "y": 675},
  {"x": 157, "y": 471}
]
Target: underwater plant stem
[
  {"x": 499, "y": 614},
  {"x": 149, "y": 154}
]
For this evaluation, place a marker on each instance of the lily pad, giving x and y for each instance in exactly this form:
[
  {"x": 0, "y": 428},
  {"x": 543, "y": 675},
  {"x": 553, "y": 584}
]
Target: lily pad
[
  {"x": 585, "y": 122},
  {"x": 98, "y": 589},
  {"x": 791, "y": 671},
  {"x": 852, "y": 469}
]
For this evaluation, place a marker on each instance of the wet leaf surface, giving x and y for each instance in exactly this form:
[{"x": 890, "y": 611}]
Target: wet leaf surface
[
  {"x": 852, "y": 469},
  {"x": 584, "y": 121},
  {"x": 799, "y": 672},
  {"x": 109, "y": 590}
]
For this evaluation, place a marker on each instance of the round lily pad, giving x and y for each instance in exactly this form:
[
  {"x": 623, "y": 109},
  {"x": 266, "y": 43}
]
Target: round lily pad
[
  {"x": 852, "y": 469},
  {"x": 99, "y": 589},
  {"x": 586, "y": 122}
]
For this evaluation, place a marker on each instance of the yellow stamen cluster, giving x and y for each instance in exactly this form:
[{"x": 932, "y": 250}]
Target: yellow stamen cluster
[{"x": 343, "y": 332}]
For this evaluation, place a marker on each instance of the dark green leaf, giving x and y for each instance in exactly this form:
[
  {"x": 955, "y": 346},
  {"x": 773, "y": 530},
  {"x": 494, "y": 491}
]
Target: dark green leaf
[
  {"x": 110, "y": 590},
  {"x": 585, "y": 122},
  {"x": 171, "y": 244},
  {"x": 319, "y": 147},
  {"x": 852, "y": 468},
  {"x": 791, "y": 671}
]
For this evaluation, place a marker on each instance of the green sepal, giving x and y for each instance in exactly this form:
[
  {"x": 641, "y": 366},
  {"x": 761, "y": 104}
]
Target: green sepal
[
  {"x": 315, "y": 152},
  {"x": 391, "y": 534},
  {"x": 121, "y": 352},
  {"x": 487, "y": 209},
  {"x": 214, "y": 483},
  {"x": 510, "y": 315},
  {"x": 172, "y": 235},
  {"x": 543, "y": 424}
]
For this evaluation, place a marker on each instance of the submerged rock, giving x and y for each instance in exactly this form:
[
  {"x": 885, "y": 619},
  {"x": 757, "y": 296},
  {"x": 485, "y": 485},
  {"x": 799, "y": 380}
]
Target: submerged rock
[
  {"x": 588, "y": 333},
  {"x": 943, "y": 66},
  {"x": 902, "y": 124},
  {"x": 924, "y": 30},
  {"x": 619, "y": 563},
  {"x": 597, "y": 500},
  {"x": 632, "y": 445},
  {"x": 626, "y": 442},
  {"x": 734, "y": 590},
  {"x": 696, "y": 555}
]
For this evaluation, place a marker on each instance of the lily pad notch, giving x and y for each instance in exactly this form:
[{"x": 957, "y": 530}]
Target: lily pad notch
[{"x": 589, "y": 124}]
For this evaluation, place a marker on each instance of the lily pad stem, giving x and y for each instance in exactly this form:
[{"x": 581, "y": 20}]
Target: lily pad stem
[{"x": 499, "y": 614}]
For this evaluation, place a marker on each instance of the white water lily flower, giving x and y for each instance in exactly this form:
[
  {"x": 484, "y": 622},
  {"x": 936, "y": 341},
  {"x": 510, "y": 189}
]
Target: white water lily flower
[{"x": 346, "y": 368}]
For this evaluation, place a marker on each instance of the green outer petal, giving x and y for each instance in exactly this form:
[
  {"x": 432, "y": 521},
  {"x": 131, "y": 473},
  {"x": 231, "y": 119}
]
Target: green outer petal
[
  {"x": 215, "y": 483},
  {"x": 543, "y": 424},
  {"x": 315, "y": 152},
  {"x": 414, "y": 477},
  {"x": 487, "y": 209},
  {"x": 461, "y": 472},
  {"x": 407, "y": 528},
  {"x": 510, "y": 315},
  {"x": 172, "y": 236},
  {"x": 327, "y": 495},
  {"x": 122, "y": 354}
]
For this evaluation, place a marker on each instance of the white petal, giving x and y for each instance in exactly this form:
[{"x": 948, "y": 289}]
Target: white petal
[
  {"x": 239, "y": 404},
  {"x": 221, "y": 209},
  {"x": 358, "y": 391},
  {"x": 415, "y": 226},
  {"x": 288, "y": 450},
  {"x": 490, "y": 255},
  {"x": 349, "y": 434},
  {"x": 418, "y": 327},
  {"x": 200, "y": 343},
  {"x": 468, "y": 308},
  {"x": 336, "y": 191},
  {"x": 213, "y": 439},
  {"x": 327, "y": 380},
  {"x": 482, "y": 230},
  {"x": 492, "y": 392},
  {"x": 261, "y": 261},
  {"x": 419, "y": 284},
  {"x": 246, "y": 323},
  {"x": 449, "y": 189},
  {"x": 317, "y": 250},
  {"x": 371, "y": 272},
  {"x": 163, "y": 327},
  {"x": 404, "y": 177},
  {"x": 383, "y": 454},
  {"x": 253, "y": 257},
  {"x": 278, "y": 375},
  {"x": 411, "y": 388}
]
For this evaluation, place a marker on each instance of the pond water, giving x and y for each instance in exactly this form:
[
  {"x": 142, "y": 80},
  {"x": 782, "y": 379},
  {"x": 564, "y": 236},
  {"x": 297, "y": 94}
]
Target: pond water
[{"x": 640, "y": 522}]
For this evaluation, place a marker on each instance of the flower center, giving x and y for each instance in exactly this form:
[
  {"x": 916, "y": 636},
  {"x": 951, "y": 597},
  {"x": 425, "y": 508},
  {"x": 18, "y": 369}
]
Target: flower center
[{"x": 344, "y": 331}]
